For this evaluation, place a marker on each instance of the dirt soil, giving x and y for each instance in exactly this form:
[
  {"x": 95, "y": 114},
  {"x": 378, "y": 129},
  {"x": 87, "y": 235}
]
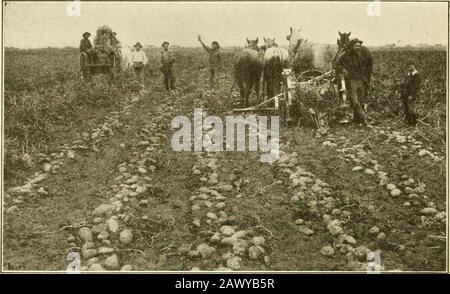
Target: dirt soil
[{"x": 114, "y": 190}]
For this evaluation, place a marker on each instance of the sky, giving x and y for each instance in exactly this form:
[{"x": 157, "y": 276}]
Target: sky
[{"x": 47, "y": 24}]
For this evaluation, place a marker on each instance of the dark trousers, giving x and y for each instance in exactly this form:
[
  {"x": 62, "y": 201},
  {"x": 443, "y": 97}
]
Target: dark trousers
[
  {"x": 408, "y": 103},
  {"x": 169, "y": 77},
  {"x": 213, "y": 71}
]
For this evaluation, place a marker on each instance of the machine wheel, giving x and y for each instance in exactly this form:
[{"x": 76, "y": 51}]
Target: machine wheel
[{"x": 309, "y": 74}]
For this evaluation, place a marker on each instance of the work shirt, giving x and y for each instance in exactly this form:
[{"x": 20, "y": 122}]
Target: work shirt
[
  {"x": 138, "y": 57},
  {"x": 167, "y": 57},
  {"x": 85, "y": 45},
  {"x": 214, "y": 55},
  {"x": 412, "y": 83}
]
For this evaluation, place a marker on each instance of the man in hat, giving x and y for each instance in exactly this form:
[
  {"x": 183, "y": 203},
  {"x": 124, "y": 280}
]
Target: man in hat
[
  {"x": 214, "y": 59},
  {"x": 167, "y": 61},
  {"x": 138, "y": 60},
  {"x": 409, "y": 92},
  {"x": 86, "y": 47},
  {"x": 114, "y": 41}
]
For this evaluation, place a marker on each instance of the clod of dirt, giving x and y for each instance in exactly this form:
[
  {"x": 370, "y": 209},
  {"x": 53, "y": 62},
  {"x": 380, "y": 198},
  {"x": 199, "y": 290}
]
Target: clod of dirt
[
  {"x": 113, "y": 225},
  {"x": 195, "y": 269},
  {"x": 259, "y": 241},
  {"x": 381, "y": 236},
  {"x": 112, "y": 262},
  {"x": 334, "y": 228},
  {"x": 42, "y": 191},
  {"x": 440, "y": 216},
  {"x": 429, "y": 211},
  {"x": 234, "y": 263},
  {"x": 227, "y": 256},
  {"x": 224, "y": 188},
  {"x": 97, "y": 229},
  {"x": 227, "y": 230},
  {"x": 369, "y": 171},
  {"x": 254, "y": 252},
  {"x": 240, "y": 247},
  {"x": 374, "y": 230},
  {"x": 143, "y": 202},
  {"x": 349, "y": 239},
  {"x": 357, "y": 168},
  {"x": 85, "y": 234},
  {"x": 211, "y": 215},
  {"x": 126, "y": 236},
  {"x": 419, "y": 190},
  {"x": 215, "y": 238},
  {"x": 299, "y": 221},
  {"x": 105, "y": 250},
  {"x": 47, "y": 167},
  {"x": 193, "y": 254},
  {"x": 103, "y": 235},
  {"x": 327, "y": 251},
  {"x": 213, "y": 179},
  {"x": 88, "y": 250},
  {"x": 326, "y": 219},
  {"x": 71, "y": 154},
  {"x": 103, "y": 209},
  {"x": 205, "y": 250},
  {"x": 127, "y": 268},
  {"x": 305, "y": 230},
  {"x": 220, "y": 205},
  {"x": 361, "y": 253},
  {"x": 395, "y": 192},
  {"x": 97, "y": 220},
  {"x": 390, "y": 186}
]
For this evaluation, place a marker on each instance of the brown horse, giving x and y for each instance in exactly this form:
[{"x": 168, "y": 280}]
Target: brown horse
[
  {"x": 247, "y": 71},
  {"x": 355, "y": 63}
]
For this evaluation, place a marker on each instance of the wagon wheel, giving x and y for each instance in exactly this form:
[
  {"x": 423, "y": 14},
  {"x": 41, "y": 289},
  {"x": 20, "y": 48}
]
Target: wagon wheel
[{"x": 309, "y": 74}]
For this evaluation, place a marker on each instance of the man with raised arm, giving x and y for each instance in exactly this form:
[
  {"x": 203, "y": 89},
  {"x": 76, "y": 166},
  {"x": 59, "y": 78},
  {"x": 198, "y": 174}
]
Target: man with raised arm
[{"x": 214, "y": 59}]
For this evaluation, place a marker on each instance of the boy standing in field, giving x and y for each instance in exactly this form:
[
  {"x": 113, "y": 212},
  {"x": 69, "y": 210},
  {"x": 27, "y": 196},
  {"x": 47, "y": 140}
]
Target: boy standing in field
[
  {"x": 214, "y": 59},
  {"x": 410, "y": 91},
  {"x": 167, "y": 61},
  {"x": 138, "y": 60}
]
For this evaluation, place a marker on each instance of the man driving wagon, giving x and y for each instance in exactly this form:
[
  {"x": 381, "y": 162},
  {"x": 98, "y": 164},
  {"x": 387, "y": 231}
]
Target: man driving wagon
[{"x": 103, "y": 57}]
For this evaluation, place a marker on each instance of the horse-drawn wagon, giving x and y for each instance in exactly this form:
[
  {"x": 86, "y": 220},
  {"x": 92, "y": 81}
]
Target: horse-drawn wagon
[
  {"x": 108, "y": 64},
  {"x": 104, "y": 57}
]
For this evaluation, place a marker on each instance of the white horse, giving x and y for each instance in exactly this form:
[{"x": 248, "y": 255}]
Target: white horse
[
  {"x": 306, "y": 55},
  {"x": 126, "y": 57},
  {"x": 275, "y": 60}
]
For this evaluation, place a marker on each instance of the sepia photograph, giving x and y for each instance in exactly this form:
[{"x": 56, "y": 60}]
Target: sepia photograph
[{"x": 199, "y": 137}]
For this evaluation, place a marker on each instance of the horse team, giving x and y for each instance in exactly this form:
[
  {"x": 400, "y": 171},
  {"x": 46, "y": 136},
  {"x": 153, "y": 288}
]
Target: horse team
[{"x": 351, "y": 60}]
